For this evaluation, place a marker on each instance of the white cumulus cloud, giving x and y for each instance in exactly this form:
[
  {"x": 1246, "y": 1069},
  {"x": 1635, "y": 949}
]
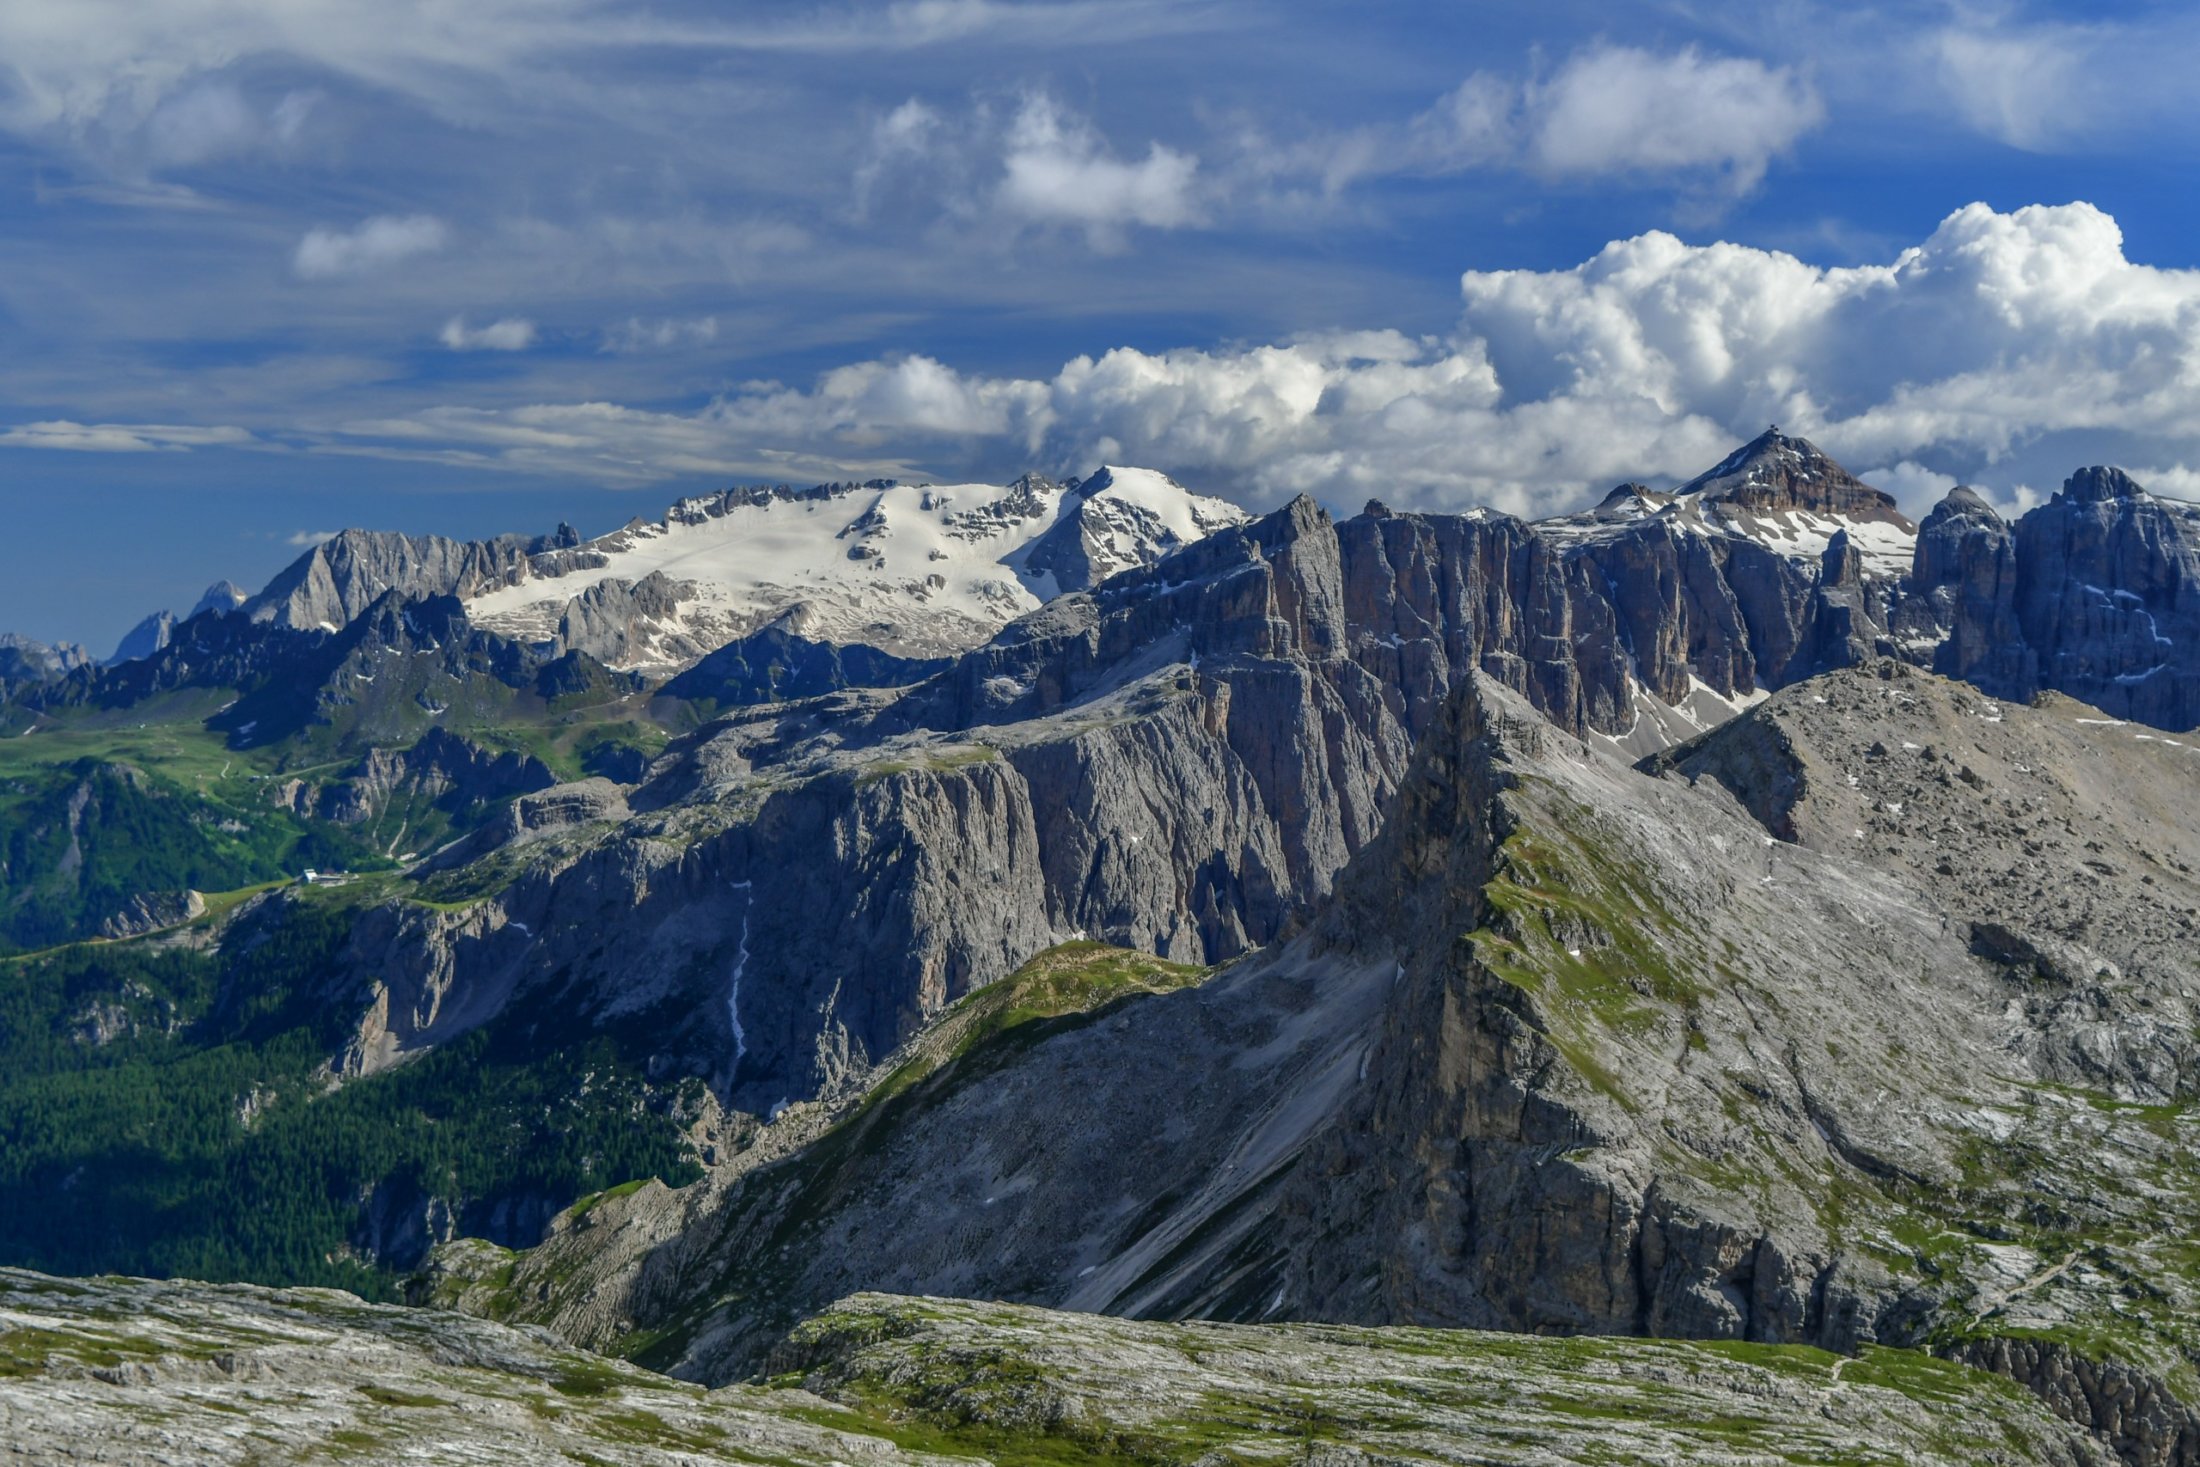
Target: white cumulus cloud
[
  {"x": 1619, "y": 109},
  {"x": 375, "y": 244},
  {"x": 1057, "y": 169},
  {"x": 513, "y": 333}
]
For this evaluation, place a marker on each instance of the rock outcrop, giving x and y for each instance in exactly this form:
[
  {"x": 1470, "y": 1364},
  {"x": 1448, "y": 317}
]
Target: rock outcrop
[
  {"x": 442, "y": 770},
  {"x": 621, "y": 623},
  {"x": 2095, "y": 594},
  {"x": 153, "y": 912},
  {"x": 776, "y": 666}
]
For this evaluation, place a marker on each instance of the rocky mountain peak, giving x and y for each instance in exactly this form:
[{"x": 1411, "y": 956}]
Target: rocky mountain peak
[
  {"x": 1962, "y": 502},
  {"x": 2100, "y": 484},
  {"x": 144, "y": 639},
  {"x": 1629, "y": 501},
  {"x": 1774, "y": 472},
  {"x": 23, "y": 660},
  {"x": 341, "y": 577},
  {"x": 221, "y": 598},
  {"x": 410, "y": 622}
]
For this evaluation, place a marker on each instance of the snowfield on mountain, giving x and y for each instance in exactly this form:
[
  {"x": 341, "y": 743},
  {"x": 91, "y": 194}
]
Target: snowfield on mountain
[{"x": 913, "y": 569}]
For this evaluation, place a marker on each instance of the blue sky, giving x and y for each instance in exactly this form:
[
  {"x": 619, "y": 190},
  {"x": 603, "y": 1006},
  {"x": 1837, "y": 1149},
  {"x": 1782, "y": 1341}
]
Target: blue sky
[{"x": 273, "y": 267}]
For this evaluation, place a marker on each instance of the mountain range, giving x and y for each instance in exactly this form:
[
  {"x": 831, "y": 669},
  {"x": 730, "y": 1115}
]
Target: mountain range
[{"x": 1731, "y": 913}]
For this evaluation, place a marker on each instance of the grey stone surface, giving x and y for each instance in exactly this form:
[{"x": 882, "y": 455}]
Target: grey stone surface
[
  {"x": 118, "y": 1370},
  {"x": 1715, "y": 1049},
  {"x": 338, "y": 579}
]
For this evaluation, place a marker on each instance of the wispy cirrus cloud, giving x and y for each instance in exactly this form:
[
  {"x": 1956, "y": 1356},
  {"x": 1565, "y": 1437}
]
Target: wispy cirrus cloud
[
  {"x": 69, "y": 436},
  {"x": 1706, "y": 125},
  {"x": 513, "y": 333},
  {"x": 663, "y": 334},
  {"x": 2023, "y": 86}
]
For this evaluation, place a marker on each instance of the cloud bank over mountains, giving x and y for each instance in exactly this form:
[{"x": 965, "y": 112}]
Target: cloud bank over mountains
[
  {"x": 1998, "y": 335},
  {"x": 468, "y": 267}
]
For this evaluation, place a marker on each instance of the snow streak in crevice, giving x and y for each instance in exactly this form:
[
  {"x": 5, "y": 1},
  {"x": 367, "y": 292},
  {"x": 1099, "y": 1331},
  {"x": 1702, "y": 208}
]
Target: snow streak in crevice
[{"x": 740, "y": 961}]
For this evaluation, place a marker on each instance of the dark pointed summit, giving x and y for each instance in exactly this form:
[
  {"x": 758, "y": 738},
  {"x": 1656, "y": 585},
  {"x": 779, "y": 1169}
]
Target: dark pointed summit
[{"x": 1774, "y": 472}]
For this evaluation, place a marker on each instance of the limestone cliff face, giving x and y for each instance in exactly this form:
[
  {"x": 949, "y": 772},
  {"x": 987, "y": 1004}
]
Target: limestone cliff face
[
  {"x": 2108, "y": 595},
  {"x": 1727, "y": 1047},
  {"x": 1179, "y": 761},
  {"x": 2095, "y": 594},
  {"x": 1775, "y": 565},
  {"x": 151, "y": 912},
  {"x": 1180, "y": 767},
  {"x": 341, "y": 577},
  {"x": 1960, "y": 608}
]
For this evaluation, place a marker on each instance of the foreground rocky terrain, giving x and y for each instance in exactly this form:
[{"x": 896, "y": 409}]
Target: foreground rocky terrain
[
  {"x": 1864, "y": 1018},
  {"x": 127, "y": 1371}
]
